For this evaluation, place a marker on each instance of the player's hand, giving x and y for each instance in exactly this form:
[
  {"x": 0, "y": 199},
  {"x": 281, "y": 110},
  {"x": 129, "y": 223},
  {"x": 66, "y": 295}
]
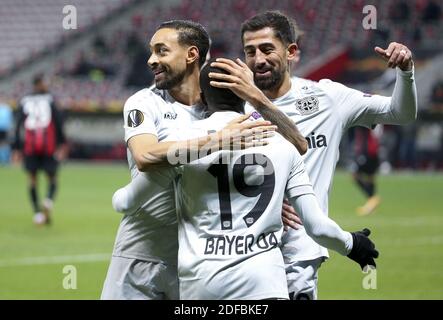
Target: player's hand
[
  {"x": 16, "y": 157},
  {"x": 363, "y": 249},
  {"x": 240, "y": 79},
  {"x": 242, "y": 133},
  {"x": 397, "y": 55},
  {"x": 289, "y": 216}
]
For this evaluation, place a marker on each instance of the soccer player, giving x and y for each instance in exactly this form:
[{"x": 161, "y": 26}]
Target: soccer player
[
  {"x": 43, "y": 146},
  {"x": 144, "y": 259},
  {"x": 229, "y": 221},
  {"x": 365, "y": 166},
  {"x": 323, "y": 111}
]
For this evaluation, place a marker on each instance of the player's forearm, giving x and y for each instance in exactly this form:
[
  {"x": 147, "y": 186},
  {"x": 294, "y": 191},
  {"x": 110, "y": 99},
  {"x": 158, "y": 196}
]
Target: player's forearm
[
  {"x": 286, "y": 126},
  {"x": 319, "y": 227},
  {"x": 173, "y": 153},
  {"x": 404, "y": 98},
  {"x": 129, "y": 199}
]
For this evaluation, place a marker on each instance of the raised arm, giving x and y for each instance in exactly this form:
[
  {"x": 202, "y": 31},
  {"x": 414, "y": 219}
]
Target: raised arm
[
  {"x": 404, "y": 97},
  {"x": 241, "y": 81}
]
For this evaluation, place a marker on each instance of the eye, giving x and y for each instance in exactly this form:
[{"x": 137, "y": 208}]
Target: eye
[
  {"x": 250, "y": 53},
  {"x": 162, "y": 51}
]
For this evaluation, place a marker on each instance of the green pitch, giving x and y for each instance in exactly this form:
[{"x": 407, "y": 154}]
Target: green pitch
[{"x": 407, "y": 228}]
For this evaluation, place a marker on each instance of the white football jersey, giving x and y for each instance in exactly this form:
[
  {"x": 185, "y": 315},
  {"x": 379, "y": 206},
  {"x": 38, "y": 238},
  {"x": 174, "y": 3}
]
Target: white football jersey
[
  {"x": 230, "y": 224},
  {"x": 151, "y": 234},
  {"x": 323, "y": 111}
]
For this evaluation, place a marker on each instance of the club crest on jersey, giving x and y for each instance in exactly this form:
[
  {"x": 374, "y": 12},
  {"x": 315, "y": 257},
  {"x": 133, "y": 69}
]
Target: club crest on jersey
[
  {"x": 170, "y": 115},
  {"x": 307, "y": 105},
  {"x": 135, "y": 118}
]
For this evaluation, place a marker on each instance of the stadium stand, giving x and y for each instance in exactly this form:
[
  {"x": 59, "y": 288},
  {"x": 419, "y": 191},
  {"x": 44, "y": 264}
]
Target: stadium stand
[{"x": 95, "y": 68}]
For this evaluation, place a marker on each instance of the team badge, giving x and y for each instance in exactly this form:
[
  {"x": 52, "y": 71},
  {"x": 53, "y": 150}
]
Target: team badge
[
  {"x": 307, "y": 105},
  {"x": 135, "y": 118}
]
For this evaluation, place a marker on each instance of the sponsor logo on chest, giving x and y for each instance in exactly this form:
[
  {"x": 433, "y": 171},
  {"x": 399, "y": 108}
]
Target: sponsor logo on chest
[{"x": 316, "y": 141}]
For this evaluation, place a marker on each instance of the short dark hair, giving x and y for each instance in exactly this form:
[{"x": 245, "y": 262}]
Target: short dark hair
[
  {"x": 218, "y": 99},
  {"x": 38, "y": 78},
  {"x": 190, "y": 33},
  {"x": 285, "y": 28}
]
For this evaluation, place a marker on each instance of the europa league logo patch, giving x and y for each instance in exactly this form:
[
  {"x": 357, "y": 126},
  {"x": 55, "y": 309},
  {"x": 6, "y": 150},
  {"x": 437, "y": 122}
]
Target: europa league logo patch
[{"x": 135, "y": 118}]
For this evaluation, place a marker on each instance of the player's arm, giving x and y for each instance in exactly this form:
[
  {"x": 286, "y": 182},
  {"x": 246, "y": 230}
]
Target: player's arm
[
  {"x": 17, "y": 143},
  {"x": 404, "y": 98},
  {"x": 318, "y": 226},
  {"x": 149, "y": 153},
  {"x": 129, "y": 199},
  {"x": 357, "y": 108},
  {"x": 62, "y": 147},
  {"x": 356, "y": 245},
  {"x": 241, "y": 81}
]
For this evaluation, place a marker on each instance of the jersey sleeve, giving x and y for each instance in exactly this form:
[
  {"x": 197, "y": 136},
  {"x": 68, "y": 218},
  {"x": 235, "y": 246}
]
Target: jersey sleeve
[
  {"x": 20, "y": 119},
  {"x": 58, "y": 123},
  {"x": 129, "y": 199},
  {"x": 361, "y": 109},
  {"x": 354, "y": 107},
  {"x": 141, "y": 115},
  {"x": 298, "y": 181}
]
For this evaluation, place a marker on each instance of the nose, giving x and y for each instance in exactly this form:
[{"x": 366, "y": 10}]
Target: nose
[
  {"x": 260, "y": 58},
  {"x": 152, "y": 60}
]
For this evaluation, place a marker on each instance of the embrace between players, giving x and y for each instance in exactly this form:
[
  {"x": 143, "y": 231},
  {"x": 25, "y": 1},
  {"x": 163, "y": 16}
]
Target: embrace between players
[{"x": 212, "y": 227}]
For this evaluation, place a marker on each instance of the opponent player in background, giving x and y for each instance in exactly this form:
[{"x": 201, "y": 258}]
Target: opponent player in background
[
  {"x": 144, "y": 260},
  {"x": 43, "y": 145},
  {"x": 365, "y": 166},
  {"x": 323, "y": 111},
  {"x": 229, "y": 212}
]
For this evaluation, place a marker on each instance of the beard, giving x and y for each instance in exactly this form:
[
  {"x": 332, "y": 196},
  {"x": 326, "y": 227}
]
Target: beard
[
  {"x": 271, "y": 82},
  {"x": 170, "y": 80}
]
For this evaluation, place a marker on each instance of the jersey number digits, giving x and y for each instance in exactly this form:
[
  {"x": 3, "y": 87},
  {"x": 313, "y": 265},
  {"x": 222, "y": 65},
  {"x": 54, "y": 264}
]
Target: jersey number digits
[{"x": 264, "y": 190}]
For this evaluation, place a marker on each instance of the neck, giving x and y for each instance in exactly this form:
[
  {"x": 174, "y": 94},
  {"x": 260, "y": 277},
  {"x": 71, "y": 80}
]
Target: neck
[
  {"x": 188, "y": 91},
  {"x": 280, "y": 90}
]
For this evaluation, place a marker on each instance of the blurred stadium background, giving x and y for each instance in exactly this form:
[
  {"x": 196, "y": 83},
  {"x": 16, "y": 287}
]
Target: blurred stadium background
[{"x": 93, "y": 69}]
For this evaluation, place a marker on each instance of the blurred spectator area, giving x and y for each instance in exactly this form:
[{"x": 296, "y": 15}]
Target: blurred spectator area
[{"x": 98, "y": 66}]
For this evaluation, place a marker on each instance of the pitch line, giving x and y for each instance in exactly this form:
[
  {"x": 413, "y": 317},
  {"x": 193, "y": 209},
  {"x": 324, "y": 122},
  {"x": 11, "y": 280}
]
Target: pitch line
[{"x": 33, "y": 261}]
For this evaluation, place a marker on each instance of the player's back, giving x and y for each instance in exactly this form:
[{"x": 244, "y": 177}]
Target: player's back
[{"x": 230, "y": 220}]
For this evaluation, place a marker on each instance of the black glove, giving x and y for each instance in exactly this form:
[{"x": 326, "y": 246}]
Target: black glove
[{"x": 363, "y": 249}]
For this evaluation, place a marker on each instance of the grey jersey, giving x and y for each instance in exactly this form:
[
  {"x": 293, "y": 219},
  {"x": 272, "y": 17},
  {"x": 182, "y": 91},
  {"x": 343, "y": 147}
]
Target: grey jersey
[
  {"x": 151, "y": 234},
  {"x": 230, "y": 219},
  {"x": 323, "y": 111}
]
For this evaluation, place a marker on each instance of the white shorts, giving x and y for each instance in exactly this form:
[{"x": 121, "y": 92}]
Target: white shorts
[
  {"x": 132, "y": 279},
  {"x": 302, "y": 277}
]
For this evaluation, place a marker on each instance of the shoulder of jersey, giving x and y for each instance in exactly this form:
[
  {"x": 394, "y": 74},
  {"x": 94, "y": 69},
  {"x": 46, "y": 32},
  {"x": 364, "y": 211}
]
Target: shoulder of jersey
[
  {"x": 143, "y": 97},
  {"x": 309, "y": 87}
]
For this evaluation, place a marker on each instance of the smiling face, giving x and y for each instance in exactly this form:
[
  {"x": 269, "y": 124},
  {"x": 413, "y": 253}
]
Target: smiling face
[
  {"x": 168, "y": 59},
  {"x": 267, "y": 57}
]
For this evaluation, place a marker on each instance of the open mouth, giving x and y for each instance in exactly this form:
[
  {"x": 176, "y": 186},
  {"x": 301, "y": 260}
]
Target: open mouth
[
  {"x": 263, "y": 73},
  {"x": 158, "y": 71}
]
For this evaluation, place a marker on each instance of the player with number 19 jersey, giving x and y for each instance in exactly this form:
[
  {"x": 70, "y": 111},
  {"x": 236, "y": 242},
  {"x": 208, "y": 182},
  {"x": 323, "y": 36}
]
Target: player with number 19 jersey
[{"x": 230, "y": 224}]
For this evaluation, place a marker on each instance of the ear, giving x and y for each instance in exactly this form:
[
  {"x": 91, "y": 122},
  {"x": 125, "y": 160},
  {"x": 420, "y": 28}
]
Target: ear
[
  {"x": 193, "y": 55},
  {"x": 293, "y": 53}
]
